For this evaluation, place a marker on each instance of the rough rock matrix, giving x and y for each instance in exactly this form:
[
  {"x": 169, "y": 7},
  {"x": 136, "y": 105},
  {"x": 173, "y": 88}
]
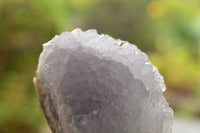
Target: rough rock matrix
[{"x": 92, "y": 83}]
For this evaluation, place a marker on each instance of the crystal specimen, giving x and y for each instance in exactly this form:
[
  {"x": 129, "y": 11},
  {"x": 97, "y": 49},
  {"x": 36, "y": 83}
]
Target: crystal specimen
[{"x": 91, "y": 83}]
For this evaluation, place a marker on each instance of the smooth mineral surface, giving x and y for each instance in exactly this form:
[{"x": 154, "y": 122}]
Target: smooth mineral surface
[{"x": 91, "y": 83}]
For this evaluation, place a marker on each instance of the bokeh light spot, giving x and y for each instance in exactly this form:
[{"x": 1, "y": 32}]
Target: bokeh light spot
[{"x": 155, "y": 9}]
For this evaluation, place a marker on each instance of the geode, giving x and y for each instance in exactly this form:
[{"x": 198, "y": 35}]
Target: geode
[{"x": 91, "y": 83}]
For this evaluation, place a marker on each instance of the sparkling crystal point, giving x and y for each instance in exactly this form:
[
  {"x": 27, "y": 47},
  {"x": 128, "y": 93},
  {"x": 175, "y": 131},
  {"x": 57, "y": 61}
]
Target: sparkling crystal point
[{"x": 91, "y": 83}]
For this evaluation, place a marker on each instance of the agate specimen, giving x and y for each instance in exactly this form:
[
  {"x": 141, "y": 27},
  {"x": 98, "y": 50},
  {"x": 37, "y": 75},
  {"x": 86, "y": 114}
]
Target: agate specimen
[{"x": 91, "y": 83}]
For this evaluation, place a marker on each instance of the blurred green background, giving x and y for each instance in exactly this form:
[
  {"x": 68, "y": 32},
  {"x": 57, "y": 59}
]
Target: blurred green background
[{"x": 167, "y": 30}]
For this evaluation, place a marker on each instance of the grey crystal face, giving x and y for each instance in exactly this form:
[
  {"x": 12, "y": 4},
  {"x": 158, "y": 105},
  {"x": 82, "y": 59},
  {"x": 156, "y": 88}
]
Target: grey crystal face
[
  {"x": 98, "y": 94},
  {"x": 90, "y": 83}
]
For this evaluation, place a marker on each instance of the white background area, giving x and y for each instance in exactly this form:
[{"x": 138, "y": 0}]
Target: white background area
[{"x": 186, "y": 126}]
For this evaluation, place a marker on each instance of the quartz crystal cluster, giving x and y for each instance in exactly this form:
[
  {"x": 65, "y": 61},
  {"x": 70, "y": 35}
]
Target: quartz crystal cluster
[{"x": 91, "y": 83}]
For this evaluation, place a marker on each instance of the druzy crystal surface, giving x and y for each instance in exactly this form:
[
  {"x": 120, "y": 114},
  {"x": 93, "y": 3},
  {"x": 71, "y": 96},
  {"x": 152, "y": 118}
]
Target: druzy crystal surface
[{"x": 91, "y": 83}]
